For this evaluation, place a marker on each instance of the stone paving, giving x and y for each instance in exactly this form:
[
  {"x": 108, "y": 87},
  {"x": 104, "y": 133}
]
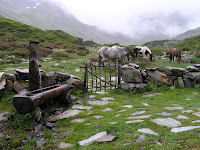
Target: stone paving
[{"x": 138, "y": 115}]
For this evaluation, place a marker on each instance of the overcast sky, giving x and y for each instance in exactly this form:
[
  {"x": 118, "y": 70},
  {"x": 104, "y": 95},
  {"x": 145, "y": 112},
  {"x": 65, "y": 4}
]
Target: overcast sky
[{"x": 136, "y": 17}]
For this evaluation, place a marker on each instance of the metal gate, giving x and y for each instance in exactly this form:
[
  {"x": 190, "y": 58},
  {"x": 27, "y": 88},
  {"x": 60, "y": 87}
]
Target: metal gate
[{"x": 100, "y": 77}]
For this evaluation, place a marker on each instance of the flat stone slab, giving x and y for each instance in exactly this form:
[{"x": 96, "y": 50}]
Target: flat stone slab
[
  {"x": 93, "y": 138},
  {"x": 81, "y": 107},
  {"x": 112, "y": 122},
  {"x": 107, "y": 139},
  {"x": 139, "y": 117},
  {"x": 164, "y": 114},
  {"x": 197, "y": 121},
  {"x": 98, "y": 102},
  {"x": 182, "y": 117},
  {"x": 140, "y": 138},
  {"x": 107, "y": 109},
  {"x": 169, "y": 122},
  {"x": 101, "y": 92},
  {"x": 62, "y": 145},
  {"x": 134, "y": 121},
  {"x": 122, "y": 110},
  {"x": 98, "y": 116},
  {"x": 147, "y": 131},
  {"x": 174, "y": 108},
  {"x": 78, "y": 120},
  {"x": 181, "y": 129},
  {"x": 151, "y": 95},
  {"x": 196, "y": 114},
  {"x": 187, "y": 111},
  {"x": 138, "y": 112},
  {"x": 188, "y": 99},
  {"x": 66, "y": 114},
  {"x": 128, "y": 106},
  {"x": 92, "y": 96},
  {"x": 107, "y": 98},
  {"x": 145, "y": 104}
]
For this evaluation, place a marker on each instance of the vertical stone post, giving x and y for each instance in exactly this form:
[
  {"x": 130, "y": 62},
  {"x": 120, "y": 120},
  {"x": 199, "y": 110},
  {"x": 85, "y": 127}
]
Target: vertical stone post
[{"x": 34, "y": 64}]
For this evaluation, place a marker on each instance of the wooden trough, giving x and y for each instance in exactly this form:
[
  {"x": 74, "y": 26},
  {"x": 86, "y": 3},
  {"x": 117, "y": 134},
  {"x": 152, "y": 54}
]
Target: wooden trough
[{"x": 29, "y": 101}]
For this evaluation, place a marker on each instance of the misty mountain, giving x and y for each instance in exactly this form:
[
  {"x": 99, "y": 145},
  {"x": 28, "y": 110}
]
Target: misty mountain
[
  {"x": 188, "y": 34},
  {"x": 48, "y": 16}
]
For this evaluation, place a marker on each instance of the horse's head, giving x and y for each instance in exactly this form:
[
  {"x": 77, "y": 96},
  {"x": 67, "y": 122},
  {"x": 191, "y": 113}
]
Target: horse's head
[{"x": 179, "y": 56}]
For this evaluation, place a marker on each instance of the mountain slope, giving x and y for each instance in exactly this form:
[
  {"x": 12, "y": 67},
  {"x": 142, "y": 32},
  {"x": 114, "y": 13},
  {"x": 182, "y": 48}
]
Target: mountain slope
[
  {"x": 188, "y": 34},
  {"x": 48, "y": 16}
]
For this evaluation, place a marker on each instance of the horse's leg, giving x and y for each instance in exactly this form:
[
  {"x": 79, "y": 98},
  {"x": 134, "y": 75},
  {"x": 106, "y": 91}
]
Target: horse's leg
[{"x": 170, "y": 57}]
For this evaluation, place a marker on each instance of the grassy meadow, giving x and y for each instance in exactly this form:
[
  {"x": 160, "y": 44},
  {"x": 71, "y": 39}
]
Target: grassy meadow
[{"x": 61, "y": 53}]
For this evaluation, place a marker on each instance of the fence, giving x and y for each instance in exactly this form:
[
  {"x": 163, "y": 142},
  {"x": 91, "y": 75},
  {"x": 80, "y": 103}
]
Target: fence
[{"x": 98, "y": 77}]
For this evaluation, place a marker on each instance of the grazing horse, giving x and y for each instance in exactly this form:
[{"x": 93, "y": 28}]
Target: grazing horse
[
  {"x": 112, "y": 53},
  {"x": 126, "y": 51},
  {"x": 142, "y": 50},
  {"x": 174, "y": 52}
]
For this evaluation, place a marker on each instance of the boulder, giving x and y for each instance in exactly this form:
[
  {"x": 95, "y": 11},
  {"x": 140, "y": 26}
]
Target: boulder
[
  {"x": 159, "y": 78},
  {"x": 19, "y": 85},
  {"x": 2, "y": 84},
  {"x": 194, "y": 76},
  {"x": 75, "y": 83},
  {"x": 192, "y": 69},
  {"x": 186, "y": 59},
  {"x": 173, "y": 71},
  {"x": 137, "y": 87},
  {"x": 131, "y": 75},
  {"x": 22, "y": 74}
]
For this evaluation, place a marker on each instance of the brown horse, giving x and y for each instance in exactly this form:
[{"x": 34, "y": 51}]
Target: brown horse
[{"x": 174, "y": 52}]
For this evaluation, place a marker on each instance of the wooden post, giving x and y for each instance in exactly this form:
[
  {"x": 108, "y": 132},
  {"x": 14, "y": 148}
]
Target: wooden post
[
  {"x": 110, "y": 74},
  {"x": 34, "y": 72},
  {"x": 119, "y": 74},
  {"x": 91, "y": 74},
  {"x": 96, "y": 75},
  {"x": 85, "y": 76}
]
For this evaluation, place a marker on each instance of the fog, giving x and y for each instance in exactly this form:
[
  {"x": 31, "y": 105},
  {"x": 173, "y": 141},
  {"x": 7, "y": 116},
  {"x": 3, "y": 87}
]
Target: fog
[{"x": 136, "y": 18}]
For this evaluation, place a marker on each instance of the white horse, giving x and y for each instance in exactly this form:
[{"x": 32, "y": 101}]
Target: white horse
[
  {"x": 143, "y": 50},
  {"x": 126, "y": 51},
  {"x": 112, "y": 53}
]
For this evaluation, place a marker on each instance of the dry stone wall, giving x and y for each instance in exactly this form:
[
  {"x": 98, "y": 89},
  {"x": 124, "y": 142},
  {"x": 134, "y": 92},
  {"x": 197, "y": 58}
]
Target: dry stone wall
[{"x": 136, "y": 80}]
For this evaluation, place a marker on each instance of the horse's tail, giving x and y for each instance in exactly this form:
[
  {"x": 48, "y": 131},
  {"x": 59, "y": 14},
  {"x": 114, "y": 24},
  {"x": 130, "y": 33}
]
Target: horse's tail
[{"x": 99, "y": 59}]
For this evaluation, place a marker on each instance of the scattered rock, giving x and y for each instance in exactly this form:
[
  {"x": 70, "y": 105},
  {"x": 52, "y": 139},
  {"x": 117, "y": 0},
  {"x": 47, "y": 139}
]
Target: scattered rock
[
  {"x": 174, "y": 108},
  {"x": 107, "y": 98},
  {"x": 138, "y": 112},
  {"x": 78, "y": 120},
  {"x": 186, "y": 111},
  {"x": 139, "y": 117},
  {"x": 79, "y": 103},
  {"x": 98, "y": 102},
  {"x": 62, "y": 145},
  {"x": 97, "y": 116},
  {"x": 128, "y": 106},
  {"x": 66, "y": 114},
  {"x": 81, "y": 107},
  {"x": 151, "y": 95},
  {"x": 134, "y": 121},
  {"x": 107, "y": 139},
  {"x": 145, "y": 104},
  {"x": 112, "y": 122},
  {"x": 140, "y": 138},
  {"x": 196, "y": 114},
  {"x": 181, "y": 129},
  {"x": 4, "y": 116},
  {"x": 182, "y": 117},
  {"x": 107, "y": 109},
  {"x": 147, "y": 131},
  {"x": 169, "y": 122},
  {"x": 92, "y": 96},
  {"x": 93, "y": 138},
  {"x": 164, "y": 114}
]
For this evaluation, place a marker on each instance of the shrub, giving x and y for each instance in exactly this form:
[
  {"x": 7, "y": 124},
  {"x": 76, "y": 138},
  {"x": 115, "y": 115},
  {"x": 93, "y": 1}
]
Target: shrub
[
  {"x": 4, "y": 46},
  {"x": 151, "y": 86},
  {"x": 81, "y": 53},
  {"x": 93, "y": 59},
  {"x": 20, "y": 52},
  {"x": 71, "y": 50},
  {"x": 197, "y": 54},
  {"x": 60, "y": 54},
  {"x": 45, "y": 52}
]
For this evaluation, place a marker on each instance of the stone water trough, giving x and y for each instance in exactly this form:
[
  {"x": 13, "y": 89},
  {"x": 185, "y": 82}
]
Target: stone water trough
[{"x": 28, "y": 101}]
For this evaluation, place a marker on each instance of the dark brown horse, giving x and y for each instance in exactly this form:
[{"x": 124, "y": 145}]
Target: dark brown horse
[{"x": 174, "y": 52}]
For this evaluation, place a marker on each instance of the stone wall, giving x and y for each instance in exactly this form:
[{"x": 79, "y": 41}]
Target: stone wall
[
  {"x": 18, "y": 81},
  {"x": 136, "y": 80}
]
